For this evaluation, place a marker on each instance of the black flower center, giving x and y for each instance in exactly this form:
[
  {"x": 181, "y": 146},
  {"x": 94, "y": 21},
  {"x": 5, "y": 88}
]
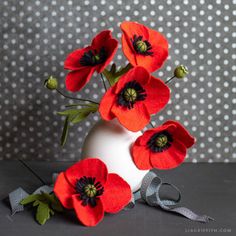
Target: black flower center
[
  {"x": 141, "y": 46},
  {"x": 131, "y": 93},
  {"x": 93, "y": 58},
  {"x": 160, "y": 141},
  {"x": 89, "y": 190}
]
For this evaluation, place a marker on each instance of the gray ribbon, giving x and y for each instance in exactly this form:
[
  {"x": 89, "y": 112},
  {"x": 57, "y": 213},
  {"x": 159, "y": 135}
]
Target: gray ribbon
[
  {"x": 16, "y": 196},
  {"x": 150, "y": 193}
]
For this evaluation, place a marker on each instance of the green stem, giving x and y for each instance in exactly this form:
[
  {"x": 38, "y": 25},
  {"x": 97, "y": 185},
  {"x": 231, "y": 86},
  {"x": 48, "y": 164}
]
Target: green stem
[
  {"x": 103, "y": 81},
  {"x": 79, "y": 99},
  {"x": 78, "y": 104},
  {"x": 32, "y": 171},
  {"x": 152, "y": 124},
  {"x": 169, "y": 80}
]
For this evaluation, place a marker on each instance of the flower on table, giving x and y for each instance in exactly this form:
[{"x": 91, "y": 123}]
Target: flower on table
[
  {"x": 143, "y": 46},
  {"x": 134, "y": 98},
  {"x": 82, "y": 63},
  {"x": 163, "y": 147},
  {"x": 90, "y": 190}
]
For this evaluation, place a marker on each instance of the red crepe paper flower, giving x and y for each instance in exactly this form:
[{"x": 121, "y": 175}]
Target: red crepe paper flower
[
  {"x": 134, "y": 98},
  {"x": 84, "y": 62},
  {"x": 87, "y": 188},
  {"x": 163, "y": 147},
  {"x": 143, "y": 46}
]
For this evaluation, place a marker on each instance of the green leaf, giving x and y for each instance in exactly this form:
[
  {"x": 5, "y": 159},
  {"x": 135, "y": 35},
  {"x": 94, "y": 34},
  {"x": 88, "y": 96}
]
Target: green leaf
[
  {"x": 113, "y": 75},
  {"x": 83, "y": 113},
  {"x": 113, "y": 68},
  {"x": 52, "y": 200},
  {"x": 43, "y": 213},
  {"x": 65, "y": 131},
  {"x": 71, "y": 113},
  {"x": 31, "y": 198},
  {"x": 75, "y": 116},
  {"x": 46, "y": 204},
  {"x": 36, "y": 203}
]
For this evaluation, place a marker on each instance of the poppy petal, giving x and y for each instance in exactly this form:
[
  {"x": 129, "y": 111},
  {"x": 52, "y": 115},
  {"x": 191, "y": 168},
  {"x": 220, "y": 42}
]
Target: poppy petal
[
  {"x": 141, "y": 157},
  {"x": 169, "y": 158},
  {"x": 181, "y": 134},
  {"x": 153, "y": 62},
  {"x": 76, "y": 80},
  {"x": 64, "y": 191},
  {"x": 106, "y": 104},
  {"x": 87, "y": 215},
  {"x": 159, "y": 49},
  {"x": 128, "y": 50},
  {"x": 134, "y": 119},
  {"x": 91, "y": 167},
  {"x": 130, "y": 29},
  {"x": 117, "y": 194},
  {"x": 72, "y": 61},
  {"x": 138, "y": 73},
  {"x": 99, "y": 39},
  {"x": 158, "y": 95},
  {"x": 111, "y": 47}
]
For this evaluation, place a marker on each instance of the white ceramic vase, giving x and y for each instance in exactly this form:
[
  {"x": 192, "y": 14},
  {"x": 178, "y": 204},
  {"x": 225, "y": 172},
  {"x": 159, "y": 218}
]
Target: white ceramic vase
[{"x": 110, "y": 142}]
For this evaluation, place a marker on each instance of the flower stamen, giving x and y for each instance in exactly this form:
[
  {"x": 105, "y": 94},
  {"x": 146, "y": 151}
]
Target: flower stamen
[
  {"x": 89, "y": 190},
  {"x": 92, "y": 58},
  {"x": 141, "y": 46},
  {"x": 160, "y": 141},
  {"x": 131, "y": 93}
]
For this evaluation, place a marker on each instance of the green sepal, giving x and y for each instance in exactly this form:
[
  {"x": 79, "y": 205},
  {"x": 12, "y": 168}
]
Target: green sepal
[{"x": 113, "y": 74}]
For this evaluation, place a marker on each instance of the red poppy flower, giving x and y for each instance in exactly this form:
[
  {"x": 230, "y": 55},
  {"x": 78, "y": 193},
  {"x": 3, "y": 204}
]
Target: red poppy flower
[
  {"x": 163, "y": 147},
  {"x": 134, "y": 98},
  {"x": 83, "y": 62},
  {"x": 87, "y": 188},
  {"x": 143, "y": 46}
]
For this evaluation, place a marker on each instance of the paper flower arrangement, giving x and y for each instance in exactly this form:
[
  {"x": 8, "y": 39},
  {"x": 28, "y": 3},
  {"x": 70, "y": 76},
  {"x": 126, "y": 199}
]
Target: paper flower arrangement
[{"x": 133, "y": 96}]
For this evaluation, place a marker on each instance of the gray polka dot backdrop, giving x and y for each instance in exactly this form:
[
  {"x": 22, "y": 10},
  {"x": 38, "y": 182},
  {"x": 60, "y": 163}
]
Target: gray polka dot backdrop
[{"x": 37, "y": 36}]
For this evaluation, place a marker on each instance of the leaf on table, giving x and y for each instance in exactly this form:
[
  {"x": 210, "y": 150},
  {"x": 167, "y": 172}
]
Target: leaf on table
[
  {"x": 46, "y": 204},
  {"x": 53, "y": 201},
  {"x": 43, "y": 213},
  {"x": 31, "y": 198}
]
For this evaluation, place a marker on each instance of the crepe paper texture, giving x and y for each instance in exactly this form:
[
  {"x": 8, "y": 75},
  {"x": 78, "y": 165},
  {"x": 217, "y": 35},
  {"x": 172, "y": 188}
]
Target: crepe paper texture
[
  {"x": 90, "y": 190},
  {"x": 163, "y": 147},
  {"x": 134, "y": 98}
]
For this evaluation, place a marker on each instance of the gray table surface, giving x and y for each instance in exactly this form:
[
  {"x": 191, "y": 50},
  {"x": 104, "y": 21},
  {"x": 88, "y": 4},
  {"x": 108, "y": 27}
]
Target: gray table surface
[{"x": 207, "y": 189}]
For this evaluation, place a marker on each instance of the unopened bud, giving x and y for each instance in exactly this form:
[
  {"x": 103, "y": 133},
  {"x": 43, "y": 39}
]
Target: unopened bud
[
  {"x": 51, "y": 83},
  {"x": 180, "y": 71}
]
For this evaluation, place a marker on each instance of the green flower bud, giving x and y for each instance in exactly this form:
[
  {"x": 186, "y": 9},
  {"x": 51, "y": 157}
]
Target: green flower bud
[
  {"x": 180, "y": 71},
  {"x": 51, "y": 83}
]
